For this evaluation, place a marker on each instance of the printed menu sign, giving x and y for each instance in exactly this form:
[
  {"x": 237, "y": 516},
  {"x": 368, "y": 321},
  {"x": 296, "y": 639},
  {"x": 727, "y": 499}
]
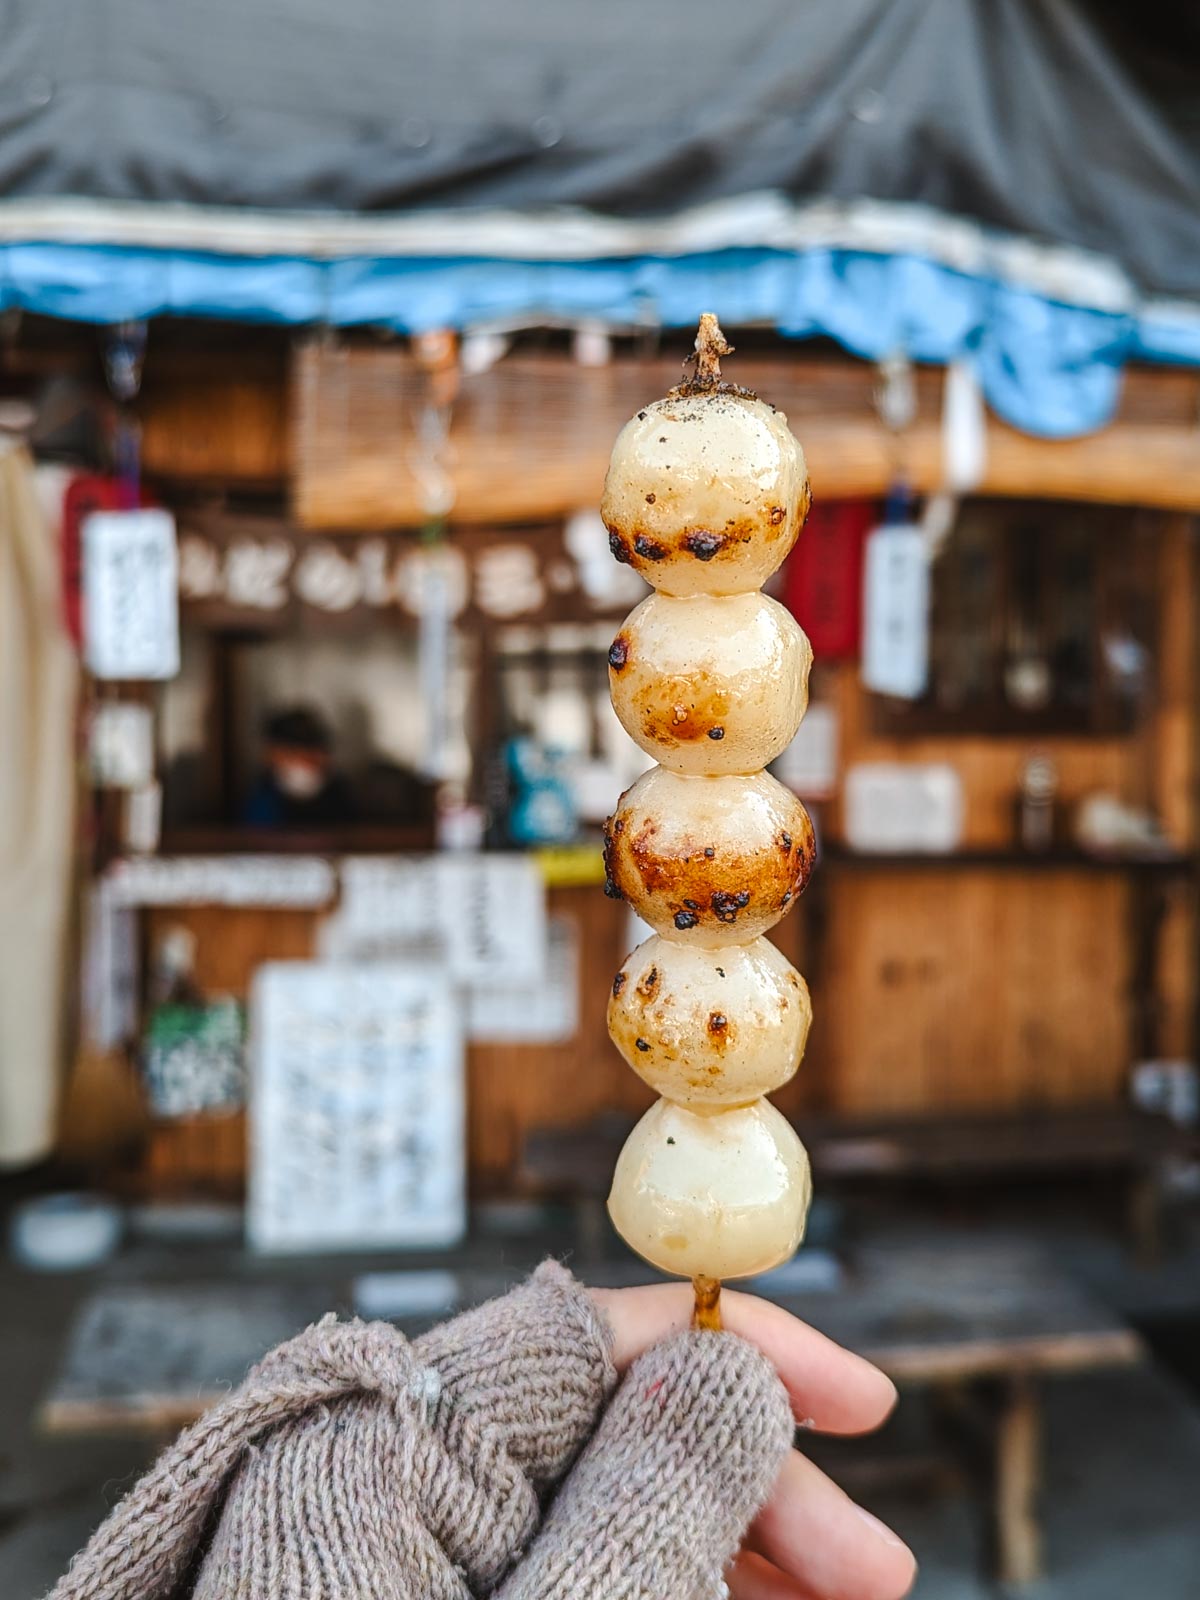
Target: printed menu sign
[{"x": 356, "y": 1108}]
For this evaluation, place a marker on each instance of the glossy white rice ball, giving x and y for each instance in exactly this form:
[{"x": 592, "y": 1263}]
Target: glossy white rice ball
[
  {"x": 708, "y": 861},
  {"x": 705, "y": 493},
  {"x": 720, "y": 1196},
  {"x": 710, "y": 685},
  {"x": 710, "y": 1028}
]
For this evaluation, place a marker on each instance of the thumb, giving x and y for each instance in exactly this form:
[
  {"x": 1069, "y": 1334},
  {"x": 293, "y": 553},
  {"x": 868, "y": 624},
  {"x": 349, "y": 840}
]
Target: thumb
[{"x": 685, "y": 1457}]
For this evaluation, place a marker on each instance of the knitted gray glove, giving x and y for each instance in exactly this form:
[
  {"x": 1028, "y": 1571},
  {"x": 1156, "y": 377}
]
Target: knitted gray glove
[
  {"x": 352, "y": 1465},
  {"x": 685, "y": 1456}
]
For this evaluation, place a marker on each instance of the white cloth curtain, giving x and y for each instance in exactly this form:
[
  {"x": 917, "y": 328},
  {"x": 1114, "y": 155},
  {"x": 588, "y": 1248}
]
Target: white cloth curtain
[{"x": 38, "y": 682}]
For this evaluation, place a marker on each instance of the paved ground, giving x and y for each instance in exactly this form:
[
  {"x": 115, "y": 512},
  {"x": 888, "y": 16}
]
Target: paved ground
[{"x": 1122, "y": 1468}]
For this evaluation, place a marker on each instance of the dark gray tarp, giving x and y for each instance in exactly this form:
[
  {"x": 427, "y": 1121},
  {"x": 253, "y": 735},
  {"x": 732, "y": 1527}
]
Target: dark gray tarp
[{"x": 1070, "y": 123}]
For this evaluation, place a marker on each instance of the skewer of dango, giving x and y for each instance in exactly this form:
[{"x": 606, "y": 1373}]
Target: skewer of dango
[{"x": 706, "y": 493}]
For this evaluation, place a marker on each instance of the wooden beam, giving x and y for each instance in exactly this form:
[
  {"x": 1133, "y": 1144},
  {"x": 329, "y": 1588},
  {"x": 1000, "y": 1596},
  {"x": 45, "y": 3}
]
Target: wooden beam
[
  {"x": 529, "y": 439},
  {"x": 216, "y": 430}
]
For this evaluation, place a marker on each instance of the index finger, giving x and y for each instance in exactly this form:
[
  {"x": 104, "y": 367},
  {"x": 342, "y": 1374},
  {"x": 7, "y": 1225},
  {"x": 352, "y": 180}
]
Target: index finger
[{"x": 831, "y": 1389}]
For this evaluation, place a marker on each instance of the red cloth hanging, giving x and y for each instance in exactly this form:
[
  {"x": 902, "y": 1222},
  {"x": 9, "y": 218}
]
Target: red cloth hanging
[{"x": 822, "y": 581}]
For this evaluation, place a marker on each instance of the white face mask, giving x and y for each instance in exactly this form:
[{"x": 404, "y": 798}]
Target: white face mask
[{"x": 298, "y": 780}]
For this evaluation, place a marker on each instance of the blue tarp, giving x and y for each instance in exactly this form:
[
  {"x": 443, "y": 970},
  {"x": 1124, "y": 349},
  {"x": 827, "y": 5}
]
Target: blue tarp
[{"x": 1049, "y": 368}]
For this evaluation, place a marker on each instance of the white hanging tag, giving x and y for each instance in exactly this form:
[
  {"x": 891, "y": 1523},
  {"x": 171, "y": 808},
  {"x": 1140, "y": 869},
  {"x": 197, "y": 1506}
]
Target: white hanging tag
[
  {"x": 964, "y": 430},
  {"x": 895, "y": 654},
  {"x": 130, "y": 594}
]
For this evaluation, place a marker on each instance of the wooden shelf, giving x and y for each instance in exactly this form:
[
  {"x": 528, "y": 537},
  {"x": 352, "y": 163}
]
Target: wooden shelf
[
  {"x": 365, "y": 838},
  {"x": 1056, "y": 860}
]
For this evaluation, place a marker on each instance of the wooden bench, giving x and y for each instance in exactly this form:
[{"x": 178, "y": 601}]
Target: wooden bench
[
  {"x": 1136, "y": 1148},
  {"x": 980, "y": 1321},
  {"x": 982, "y": 1324}
]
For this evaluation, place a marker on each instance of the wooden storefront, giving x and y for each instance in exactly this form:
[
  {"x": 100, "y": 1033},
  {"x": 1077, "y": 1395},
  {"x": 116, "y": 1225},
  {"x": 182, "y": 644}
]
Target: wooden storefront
[{"x": 983, "y": 983}]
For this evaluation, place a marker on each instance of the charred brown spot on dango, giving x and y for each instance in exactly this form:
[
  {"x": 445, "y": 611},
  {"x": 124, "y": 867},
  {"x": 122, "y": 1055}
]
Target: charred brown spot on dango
[
  {"x": 704, "y": 546},
  {"x": 618, "y": 547},
  {"x": 726, "y": 906},
  {"x": 611, "y": 887},
  {"x": 649, "y": 549},
  {"x": 664, "y": 723},
  {"x": 618, "y": 652}
]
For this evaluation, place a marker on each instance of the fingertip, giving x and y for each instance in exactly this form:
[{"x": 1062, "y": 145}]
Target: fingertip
[
  {"x": 900, "y": 1563},
  {"x": 878, "y": 1395},
  {"x": 815, "y": 1534},
  {"x": 832, "y": 1389}
]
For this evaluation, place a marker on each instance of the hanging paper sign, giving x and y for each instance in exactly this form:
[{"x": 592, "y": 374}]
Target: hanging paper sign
[
  {"x": 130, "y": 595},
  {"x": 895, "y": 654},
  {"x": 142, "y": 828},
  {"x": 86, "y": 493},
  {"x": 356, "y": 1108},
  {"x": 809, "y": 764},
  {"x": 484, "y": 914},
  {"x": 508, "y": 581},
  {"x": 964, "y": 429},
  {"x": 193, "y": 1058},
  {"x": 896, "y": 807},
  {"x": 542, "y": 1011},
  {"x": 389, "y": 898},
  {"x": 108, "y": 970},
  {"x": 494, "y": 917},
  {"x": 121, "y": 745},
  {"x": 435, "y": 650}
]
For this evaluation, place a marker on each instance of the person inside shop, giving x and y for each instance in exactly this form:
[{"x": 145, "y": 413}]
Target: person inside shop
[{"x": 299, "y": 785}]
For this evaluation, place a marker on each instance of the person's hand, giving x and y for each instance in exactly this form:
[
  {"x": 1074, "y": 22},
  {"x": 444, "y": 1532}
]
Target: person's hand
[{"x": 811, "y": 1542}]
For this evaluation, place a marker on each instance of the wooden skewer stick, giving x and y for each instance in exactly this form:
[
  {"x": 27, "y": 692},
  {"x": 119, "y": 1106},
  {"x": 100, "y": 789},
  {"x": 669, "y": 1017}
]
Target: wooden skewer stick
[{"x": 707, "y": 1312}]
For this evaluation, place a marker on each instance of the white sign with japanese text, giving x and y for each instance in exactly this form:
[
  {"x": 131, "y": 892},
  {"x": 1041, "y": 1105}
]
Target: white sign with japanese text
[
  {"x": 484, "y": 913},
  {"x": 130, "y": 595},
  {"x": 294, "y": 881},
  {"x": 537, "y": 1011},
  {"x": 356, "y": 1108}
]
